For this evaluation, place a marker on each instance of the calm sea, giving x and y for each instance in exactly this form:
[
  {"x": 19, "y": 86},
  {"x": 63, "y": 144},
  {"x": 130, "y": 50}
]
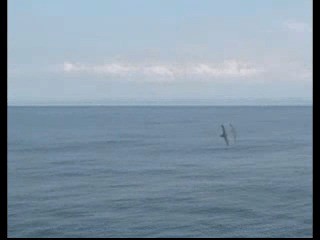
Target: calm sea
[{"x": 159, "y": 172}]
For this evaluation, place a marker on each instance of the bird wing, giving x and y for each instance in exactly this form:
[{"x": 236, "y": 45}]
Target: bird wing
[
  {"x": 223, "y": 130},
  {"x": 224, "y": 135},
  {"x": 226, "y": 139}
]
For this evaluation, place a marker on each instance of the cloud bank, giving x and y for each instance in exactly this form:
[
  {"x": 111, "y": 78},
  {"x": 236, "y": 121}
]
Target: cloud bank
[{"x": 226, "y": 69}]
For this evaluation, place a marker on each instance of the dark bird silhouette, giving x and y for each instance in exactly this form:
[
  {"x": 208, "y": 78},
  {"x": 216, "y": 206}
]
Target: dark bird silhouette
[{"x": 224, "y": 135}]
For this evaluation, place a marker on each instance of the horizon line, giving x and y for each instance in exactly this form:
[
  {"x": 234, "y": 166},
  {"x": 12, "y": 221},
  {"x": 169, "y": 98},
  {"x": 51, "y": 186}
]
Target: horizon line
[{"x": 159, "y": 105}]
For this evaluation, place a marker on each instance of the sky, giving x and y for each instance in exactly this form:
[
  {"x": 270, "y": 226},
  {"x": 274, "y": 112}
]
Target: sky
[{"x": 115, "y": 52}]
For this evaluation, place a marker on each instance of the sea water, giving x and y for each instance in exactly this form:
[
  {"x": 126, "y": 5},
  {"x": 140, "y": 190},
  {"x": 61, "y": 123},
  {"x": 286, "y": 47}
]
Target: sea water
[{"x": 159, "y": 172}]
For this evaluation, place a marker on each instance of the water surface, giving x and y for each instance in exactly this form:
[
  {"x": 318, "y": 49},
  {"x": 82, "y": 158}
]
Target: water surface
[{"x": 159, "y": 172}]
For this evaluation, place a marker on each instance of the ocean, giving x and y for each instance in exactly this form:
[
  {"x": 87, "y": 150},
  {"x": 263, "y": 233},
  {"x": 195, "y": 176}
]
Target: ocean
[{"x": 159, "y": 172}]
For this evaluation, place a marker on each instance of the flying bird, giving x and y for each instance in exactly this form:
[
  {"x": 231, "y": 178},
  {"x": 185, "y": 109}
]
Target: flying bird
[{"x": 224, "y": 135}]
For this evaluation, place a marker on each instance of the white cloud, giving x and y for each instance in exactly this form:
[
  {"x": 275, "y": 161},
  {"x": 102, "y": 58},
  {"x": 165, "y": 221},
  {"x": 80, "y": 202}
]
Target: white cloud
[
  {"x": 277, "y": 68},
  {"x": 74, "y": 67},
  {"x": 299, "y": 27},
  {"x": 158, "y": 70},
  {"x": 68, "y": 67},
  {"x": 230, "y": 68},
  {"x": 113, "y": 69}
]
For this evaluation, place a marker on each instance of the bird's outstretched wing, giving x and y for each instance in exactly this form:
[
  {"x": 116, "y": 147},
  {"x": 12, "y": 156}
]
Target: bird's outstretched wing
[
  {"x": 224, "y": 135},
  {"x": 226, "y": 140}
]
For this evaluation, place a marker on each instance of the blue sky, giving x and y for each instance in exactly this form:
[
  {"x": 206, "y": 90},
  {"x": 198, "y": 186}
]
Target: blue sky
[{"x": 159, "y": 51}]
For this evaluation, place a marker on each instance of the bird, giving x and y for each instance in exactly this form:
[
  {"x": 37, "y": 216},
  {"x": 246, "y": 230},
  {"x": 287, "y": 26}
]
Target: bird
[{"x": 224, "y": 135}]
